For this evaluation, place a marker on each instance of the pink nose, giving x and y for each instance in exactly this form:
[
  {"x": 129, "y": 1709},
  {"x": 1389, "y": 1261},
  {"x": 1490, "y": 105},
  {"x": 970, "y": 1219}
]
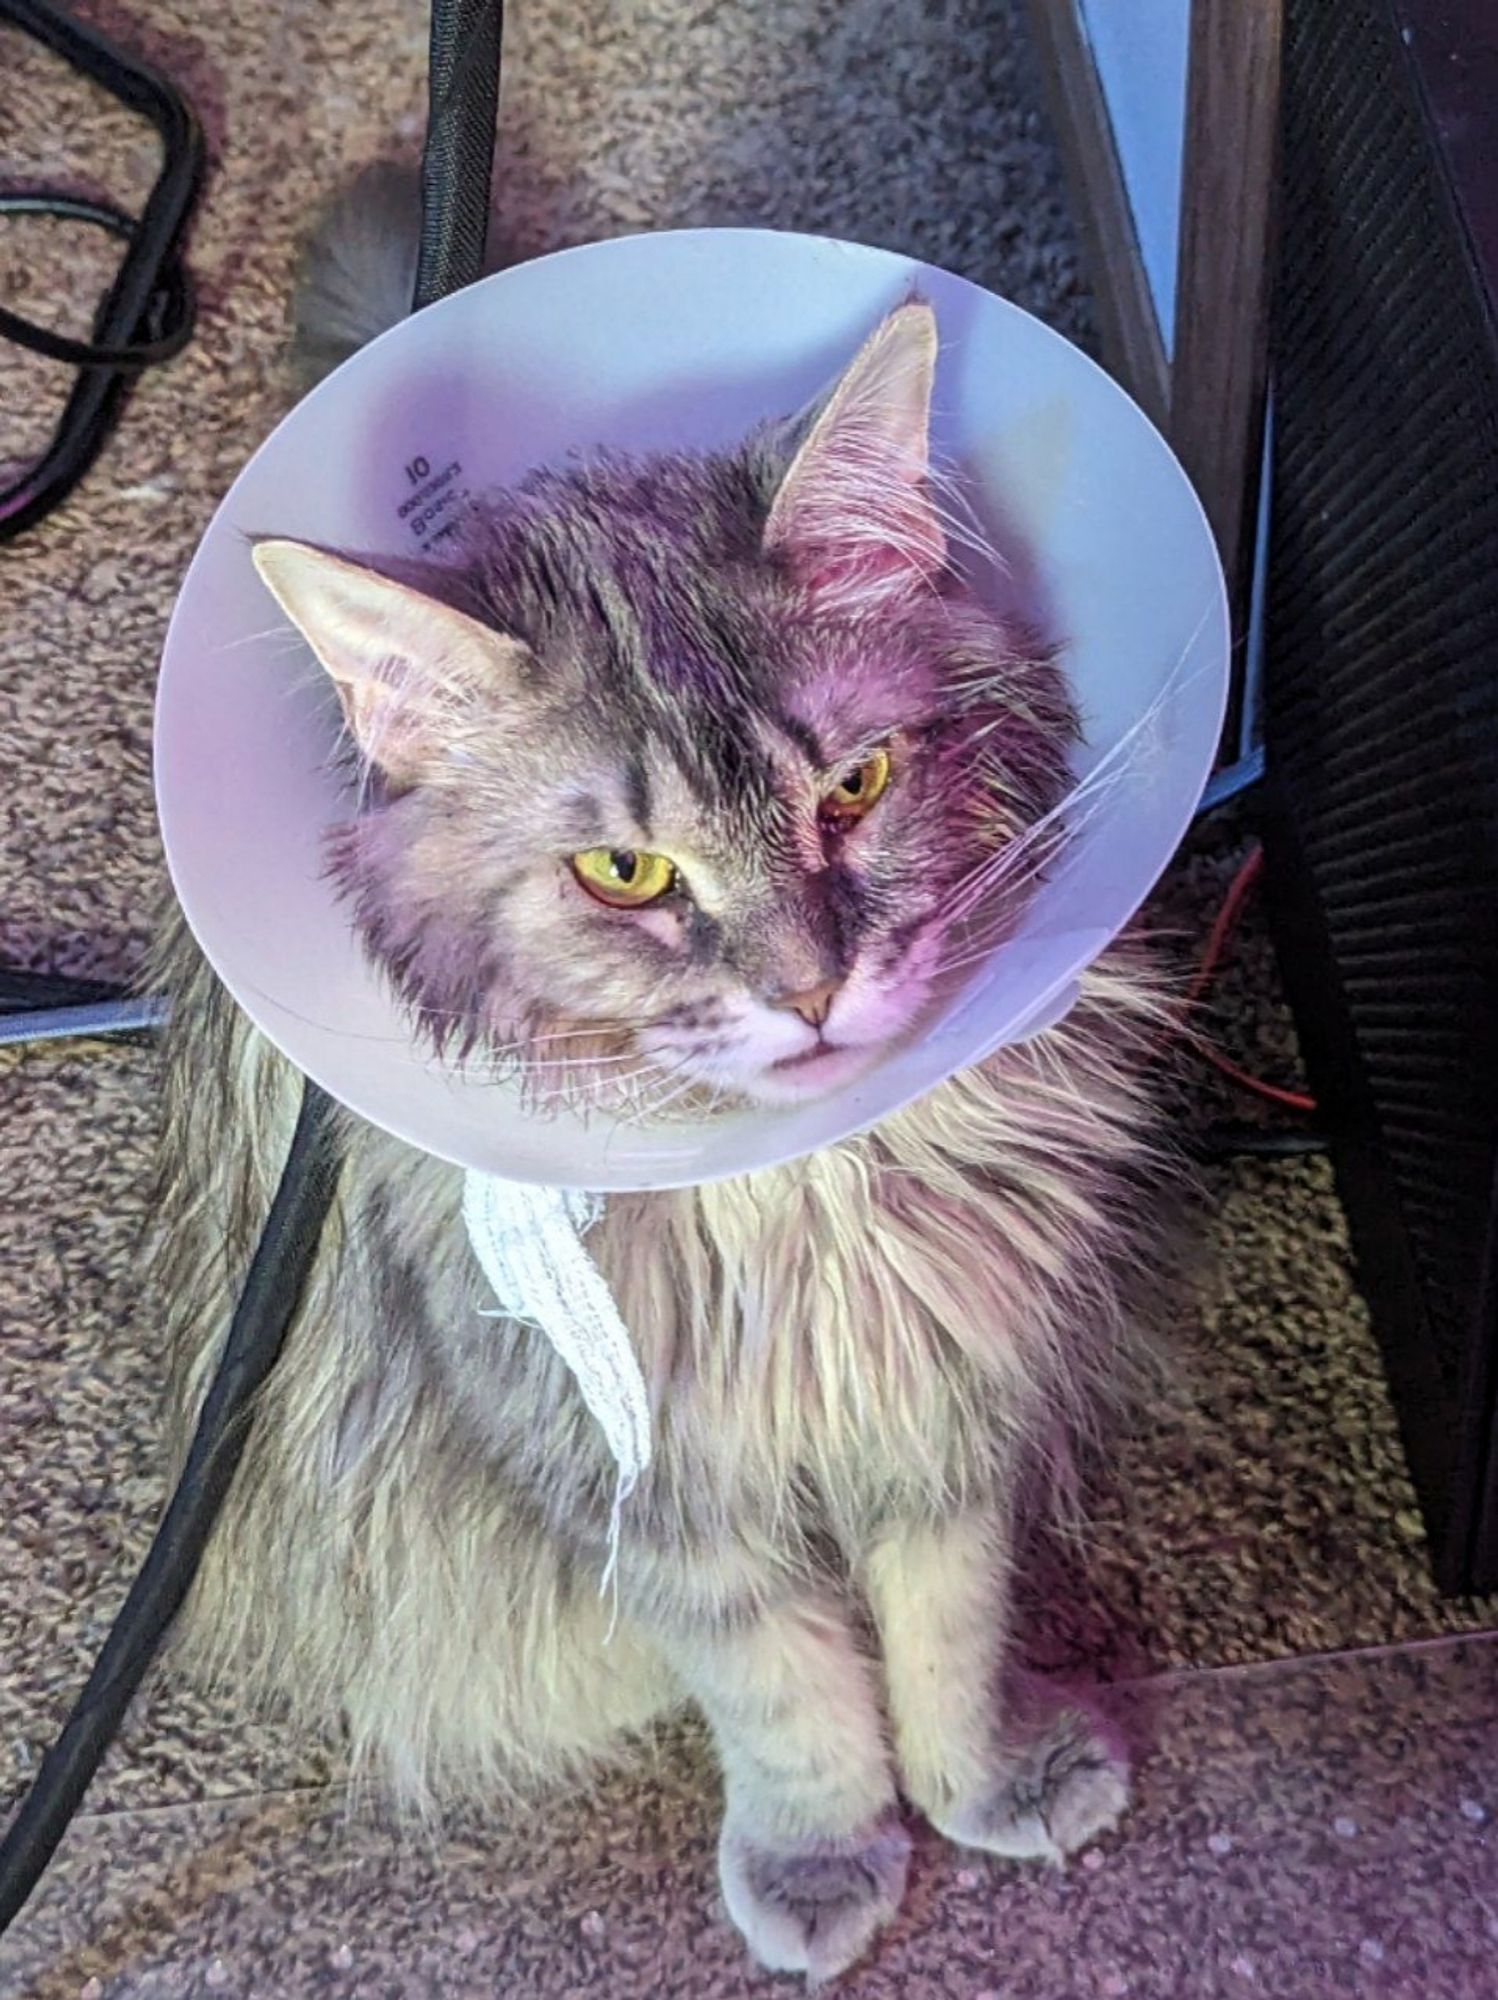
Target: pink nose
[{"x": 814, "y": 1005}]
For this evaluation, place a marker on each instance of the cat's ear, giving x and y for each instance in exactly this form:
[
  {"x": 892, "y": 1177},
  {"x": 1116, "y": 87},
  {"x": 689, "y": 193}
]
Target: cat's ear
[
  {"x": 854, "y": 514},
  {"x": 406, "y": 666}
]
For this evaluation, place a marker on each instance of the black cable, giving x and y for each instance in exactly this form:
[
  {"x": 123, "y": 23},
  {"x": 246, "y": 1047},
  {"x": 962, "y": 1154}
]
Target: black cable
[
  {"x": 171, "y": 306},
  {"x": 28, "y": 992},
  {"x": 277, "y": 1274},
  {"x": 457, "y": 161},
  {"x": 1230, "y": 1141},
  {"x": 147, "y": 313},
  {"x": 463, "y": 90},
  {"x": 130, "y": 315}
]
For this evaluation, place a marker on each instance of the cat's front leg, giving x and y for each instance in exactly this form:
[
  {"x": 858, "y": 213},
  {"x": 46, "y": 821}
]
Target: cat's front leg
[
  {"x": 813, "y": 1854},
  {"x": 1039, "y": 1786}
]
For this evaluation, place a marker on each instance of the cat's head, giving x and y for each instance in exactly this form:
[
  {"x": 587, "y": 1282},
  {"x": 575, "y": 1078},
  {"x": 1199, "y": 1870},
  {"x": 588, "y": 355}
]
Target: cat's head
[{"x": 679, "y": 777}]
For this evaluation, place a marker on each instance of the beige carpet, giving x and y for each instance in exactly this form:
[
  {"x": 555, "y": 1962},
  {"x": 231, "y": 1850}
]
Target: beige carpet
[{"x": 1276, "y": 1519}]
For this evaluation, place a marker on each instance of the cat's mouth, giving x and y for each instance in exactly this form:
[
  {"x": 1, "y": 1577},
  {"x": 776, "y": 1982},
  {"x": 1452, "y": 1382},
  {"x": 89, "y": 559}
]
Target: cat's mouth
[
  {"x": 825, "y": 1066},
  {"x": 807, "y": 1058}
]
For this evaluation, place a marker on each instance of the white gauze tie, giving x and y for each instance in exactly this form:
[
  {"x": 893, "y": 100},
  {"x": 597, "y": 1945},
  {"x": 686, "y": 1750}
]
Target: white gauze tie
[{"x": 529, "y": 1241}]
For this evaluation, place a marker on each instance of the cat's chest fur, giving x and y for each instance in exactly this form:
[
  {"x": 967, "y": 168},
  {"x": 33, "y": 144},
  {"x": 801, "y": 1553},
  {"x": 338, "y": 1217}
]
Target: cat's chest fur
[{"x": 864, "y": 1332}]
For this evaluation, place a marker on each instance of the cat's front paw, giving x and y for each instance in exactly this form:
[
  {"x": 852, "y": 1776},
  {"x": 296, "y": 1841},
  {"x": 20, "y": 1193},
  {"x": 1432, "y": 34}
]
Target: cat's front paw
[
  {"x": 813, "y": 1909},
  {"x": 1057, "y": 1792}
]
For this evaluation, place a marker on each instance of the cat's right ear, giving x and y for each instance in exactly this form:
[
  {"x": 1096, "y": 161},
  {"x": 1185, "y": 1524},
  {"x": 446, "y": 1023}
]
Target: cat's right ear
[
  {"x": 854, "y": 516},
  {"x": 408, "y": 669}
]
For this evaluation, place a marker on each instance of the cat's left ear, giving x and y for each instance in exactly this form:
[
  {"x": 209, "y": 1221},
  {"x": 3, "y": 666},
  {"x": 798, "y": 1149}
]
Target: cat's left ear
[
  {"x": 854, "y": 514},
  {"x": 409, "y": 669}
]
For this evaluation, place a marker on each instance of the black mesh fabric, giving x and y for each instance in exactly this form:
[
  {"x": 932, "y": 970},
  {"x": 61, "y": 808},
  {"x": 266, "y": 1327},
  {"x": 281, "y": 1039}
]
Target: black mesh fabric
[{"x": 1382, "y": 713}]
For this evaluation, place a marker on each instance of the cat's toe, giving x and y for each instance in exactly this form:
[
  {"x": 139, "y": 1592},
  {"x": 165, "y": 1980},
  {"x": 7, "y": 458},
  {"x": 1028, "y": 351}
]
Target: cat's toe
[
  {"x": 1057, "y": 1793},
  {"x": 813, "y": 1909}
]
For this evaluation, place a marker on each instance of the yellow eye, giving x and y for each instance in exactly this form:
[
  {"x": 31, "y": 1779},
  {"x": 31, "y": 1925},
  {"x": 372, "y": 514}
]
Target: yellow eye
[
  {"x": 857, "y": 791},
  {"x": 623, "y": 879}
]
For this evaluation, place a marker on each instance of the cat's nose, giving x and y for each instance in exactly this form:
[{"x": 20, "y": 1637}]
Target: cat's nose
[{"x": 813, "y": 1005}]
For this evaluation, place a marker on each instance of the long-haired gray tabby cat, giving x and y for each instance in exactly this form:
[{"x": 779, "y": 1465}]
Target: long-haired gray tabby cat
[{"x": 680, "y": 780}]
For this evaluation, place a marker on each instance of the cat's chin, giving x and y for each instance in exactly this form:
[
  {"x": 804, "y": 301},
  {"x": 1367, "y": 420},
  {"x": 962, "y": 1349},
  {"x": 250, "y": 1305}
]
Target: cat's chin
[{"x": 804, "y": 1078}]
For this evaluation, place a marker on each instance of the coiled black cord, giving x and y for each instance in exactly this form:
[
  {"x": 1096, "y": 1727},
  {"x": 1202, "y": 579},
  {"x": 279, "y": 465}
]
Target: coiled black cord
[
  {"x": 146, "y": 314},
  {"x": 169, "y": 312}
]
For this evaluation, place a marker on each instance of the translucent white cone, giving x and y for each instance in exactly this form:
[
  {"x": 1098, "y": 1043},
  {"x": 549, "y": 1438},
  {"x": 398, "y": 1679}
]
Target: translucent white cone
[{"x": 646, "y": 342}]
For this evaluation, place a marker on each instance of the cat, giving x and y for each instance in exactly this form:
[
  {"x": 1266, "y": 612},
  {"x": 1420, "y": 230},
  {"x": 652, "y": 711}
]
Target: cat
[{"x": 695, "y": 758}]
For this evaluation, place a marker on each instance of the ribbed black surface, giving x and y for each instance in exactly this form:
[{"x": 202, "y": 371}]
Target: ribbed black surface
[
  {"x": 1382, "y": 715},
  {"x": 457, "y": 161}
]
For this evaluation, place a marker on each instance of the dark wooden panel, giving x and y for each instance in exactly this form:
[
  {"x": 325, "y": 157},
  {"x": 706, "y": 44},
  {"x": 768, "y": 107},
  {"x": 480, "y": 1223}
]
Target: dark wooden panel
[
  {"x": 1132, "y": 348},
  {"x": 1228, "y": 180}
]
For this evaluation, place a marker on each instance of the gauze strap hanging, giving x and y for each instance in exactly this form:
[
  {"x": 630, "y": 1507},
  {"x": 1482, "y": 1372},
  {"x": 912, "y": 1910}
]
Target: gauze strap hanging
[{"x": 529, "y": 1243}]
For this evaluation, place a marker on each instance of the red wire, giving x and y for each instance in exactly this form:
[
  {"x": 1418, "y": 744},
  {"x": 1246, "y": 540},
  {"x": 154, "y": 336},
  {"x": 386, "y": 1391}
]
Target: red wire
[
  {"x": 1297, "y": 1100},
  {"x": 1217, "y": 941},
  {"x": 1226, "y": 922}
]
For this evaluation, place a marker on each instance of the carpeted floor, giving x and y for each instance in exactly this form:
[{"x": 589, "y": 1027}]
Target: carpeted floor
[{"x": 1271, "y": 1515}]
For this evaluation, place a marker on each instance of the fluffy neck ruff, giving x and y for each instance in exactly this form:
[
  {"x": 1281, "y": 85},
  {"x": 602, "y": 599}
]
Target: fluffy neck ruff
[{"x": 889, "y": 1321}]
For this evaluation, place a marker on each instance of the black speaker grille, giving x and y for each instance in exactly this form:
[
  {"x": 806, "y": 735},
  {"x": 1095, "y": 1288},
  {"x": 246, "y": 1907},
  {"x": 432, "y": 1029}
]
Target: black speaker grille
[{"x": 1382, "y": 667}]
